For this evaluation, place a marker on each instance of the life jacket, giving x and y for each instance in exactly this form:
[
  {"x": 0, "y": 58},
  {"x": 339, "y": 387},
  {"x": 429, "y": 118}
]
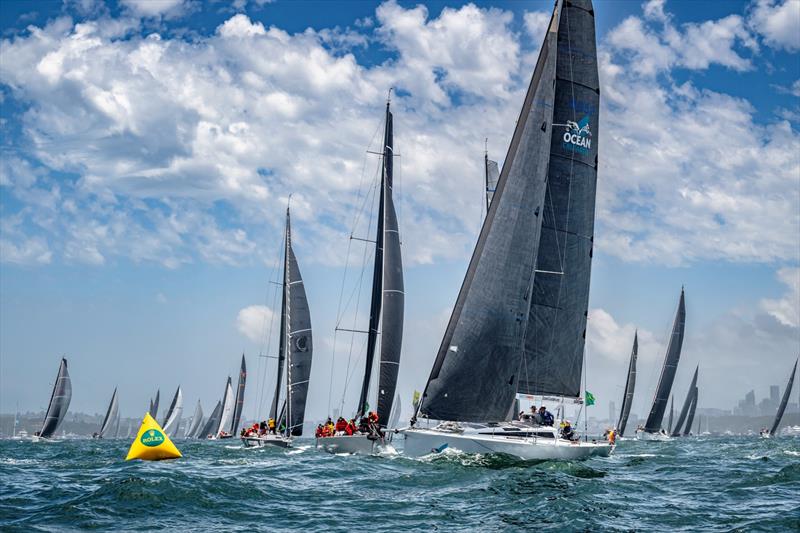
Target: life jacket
[{"x": 341, "y": 425}]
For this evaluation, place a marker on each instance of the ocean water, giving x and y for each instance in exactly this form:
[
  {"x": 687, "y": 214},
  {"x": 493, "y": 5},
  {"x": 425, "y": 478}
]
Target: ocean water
[{"x": 694, "y": 484}]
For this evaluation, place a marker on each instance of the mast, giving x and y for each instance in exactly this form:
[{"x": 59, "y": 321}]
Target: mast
[
  {"x": 785, "y": 400},
  {"x": 59, "y": 401},
  {"x": 377, "y": 269},
  {"x": 273, "y": 412},
  {"x": 630, "y": 384},
  {"x": 673, "y": 355},
  {"x": 239, "y": 402},
  {"x": 687, "y": 405},
  {"x": 288, "y": 313}
]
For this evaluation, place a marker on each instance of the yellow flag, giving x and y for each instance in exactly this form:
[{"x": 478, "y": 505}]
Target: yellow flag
[{"x": 151, "y": 443}]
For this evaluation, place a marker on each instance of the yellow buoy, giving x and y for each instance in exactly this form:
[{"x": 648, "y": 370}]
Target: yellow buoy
[{"x": 151, "y": 443}]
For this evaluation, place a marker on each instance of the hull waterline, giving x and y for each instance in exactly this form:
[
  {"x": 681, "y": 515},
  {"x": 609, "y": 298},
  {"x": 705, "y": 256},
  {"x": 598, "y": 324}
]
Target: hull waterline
[{"x": 354, "y": 444}]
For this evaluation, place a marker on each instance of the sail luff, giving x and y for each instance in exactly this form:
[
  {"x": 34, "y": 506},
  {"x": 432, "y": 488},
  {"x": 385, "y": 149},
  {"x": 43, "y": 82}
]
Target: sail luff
[
  {"x": 376, "y": 300},
  {"x": 630, "y": 384},
  {"x": 692, "y": 409},
  {"x": 393, "y": 291},
  {"x": 676, "y": 430},
  {"x": 273, "y": 412},
  {"x": 111, "y": 412},
  {"x": 784, "y": 401},
  {"x": 59, "y": 401},
  {"x": 239, "y": 402},
  {"x": 667, "y": 376}
]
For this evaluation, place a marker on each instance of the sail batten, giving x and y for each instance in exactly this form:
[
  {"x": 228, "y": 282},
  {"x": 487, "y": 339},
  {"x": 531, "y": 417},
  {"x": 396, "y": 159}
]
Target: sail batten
[
  {"x": 59, "y": 401},
  {"x": 784, "y": 401},
  {"x": 630, "y": 384}
]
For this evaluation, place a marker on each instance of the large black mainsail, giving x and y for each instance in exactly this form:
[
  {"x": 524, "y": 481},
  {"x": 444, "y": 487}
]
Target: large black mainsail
[
  {"x": 630, "y": 384},
  {"x": 298, "y": 341},
  {"x": 785, "y": 400},
  {"x": 521, "y": 285},
  {"x": 690, "y": 418},
  {"x": 687, "y": 404},
  {"x": 656, "y": 416},
  {"x": 111, "y": 414},
  {"x": 59, "y": 401},
  {"x": 239, "y": 401}
]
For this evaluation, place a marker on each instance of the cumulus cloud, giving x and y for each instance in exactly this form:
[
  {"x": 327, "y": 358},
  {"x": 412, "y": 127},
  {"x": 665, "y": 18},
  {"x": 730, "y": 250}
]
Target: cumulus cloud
[
  {"x": 251, "y": 321},
  {"x": 157, "y": 8},
  {"x": 786, "y": 310},
  {"x": 778, "y": 22}
]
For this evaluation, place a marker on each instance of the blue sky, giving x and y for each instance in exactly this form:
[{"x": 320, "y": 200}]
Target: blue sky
[{"x": 148, "y": 148}]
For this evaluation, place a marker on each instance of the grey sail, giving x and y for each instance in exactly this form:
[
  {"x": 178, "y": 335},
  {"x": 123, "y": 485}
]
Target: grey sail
[
  {"x": 785, "y": 400},
  {"x": 690, "y": 418},
  {"x": 671, "y": 413},
  {"x": 239, "y": 401},
  {"x": 393, "y": 295},
  {"x": 687, "y": 404},
  {"x": 173, "y": 419},
  {"x": 299, "y": 340},
  {"x": 630, "y": 385},
  {"x": 478, "y": 368},
  {"x": 116, "y": 426},
  {"x": 556, "y": 329},
  {"x": 656, "y": 416},
  {"x": 193, "y": 429},
  {"x": 111, "y": 414},
  {"x": 154, "y": 405},
  {"x": 492, "y": 174},
  {"x": 226, "y": 414},
  {"x": 59, "y": 402},
  {"x": 212, "y": 423}
]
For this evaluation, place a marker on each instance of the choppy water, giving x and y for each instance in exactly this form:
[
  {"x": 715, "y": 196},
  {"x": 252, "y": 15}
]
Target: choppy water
[{"x": 709, "y": 484}]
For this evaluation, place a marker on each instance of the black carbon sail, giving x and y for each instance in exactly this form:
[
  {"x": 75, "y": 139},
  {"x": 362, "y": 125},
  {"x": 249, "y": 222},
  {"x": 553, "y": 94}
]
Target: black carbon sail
[
  {"x": 212, "y": 424},
  {"x": 630, "y": 384},
  {"x": 671, "y": 413},
  {"x": 239, "y": 401},
  {"x": 556, "y": 329},
  {"x": 785, "y": 400},
  {"x": 673, "y": 355},
  {"x": 111, "y": 414},
  {"x": 687, "y": 404},
  {"x": 172, "y": 420},
  {"x": 154, "y": 404},
  {"x": 59, "y": 402},
  {"x": 690, "y": 418},
  {"x": 298, "y": 342},
  {"x": 479, "y": 366}
]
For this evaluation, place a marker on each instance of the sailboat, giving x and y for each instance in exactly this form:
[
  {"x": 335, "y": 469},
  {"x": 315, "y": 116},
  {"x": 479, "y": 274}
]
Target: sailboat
[
  {"x": 59, "y": 403},
  {"x": 116, "y": 426},
  {"x": 385, "y": 316},
  {"x": 653, "y": 429},
  {"x": 782, "y": 407},
  {"x": 518, "y": 324},
  {"x": 153, "y": 410},
  {"x": 238, "y": 403},
  {"x": 295, "y": 353},
  {"x": 671, "y": 413},
  {"x": 172, "y": 420},
  {"x": 194, "y": 427},
  {"x": 690, "y": 418},
  {"x": 208, "y": 431},
  {"x": 225, "y": 413},
  {"x": 111, "y": 414},
  {"x": 630, "y": 385},
  {"x": 677, "y": 429}
]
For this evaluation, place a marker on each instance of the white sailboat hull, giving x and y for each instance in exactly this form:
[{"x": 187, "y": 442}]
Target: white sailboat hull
[
  {"x": 644, "y": 435},
  {"x": 419, "y": 442},
  {"x": 354, "y": 444},
  {"x": 267, "y": 440}
]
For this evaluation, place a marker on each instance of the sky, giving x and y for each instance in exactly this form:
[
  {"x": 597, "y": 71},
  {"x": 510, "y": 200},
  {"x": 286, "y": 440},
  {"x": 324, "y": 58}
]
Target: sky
[{"x": 148, "y": 149}]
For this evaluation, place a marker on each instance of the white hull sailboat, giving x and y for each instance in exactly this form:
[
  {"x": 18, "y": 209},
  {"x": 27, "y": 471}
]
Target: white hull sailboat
[
  {"x": 355, "y": 444},
  {"x": 264, "y": 441},
  {"x": 657, "y": 436},
  {"x": 535, "y": 444}
]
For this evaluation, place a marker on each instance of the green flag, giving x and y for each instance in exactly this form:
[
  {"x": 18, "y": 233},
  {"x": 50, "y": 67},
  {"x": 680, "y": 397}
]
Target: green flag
[{"x": 589, "y": 398}]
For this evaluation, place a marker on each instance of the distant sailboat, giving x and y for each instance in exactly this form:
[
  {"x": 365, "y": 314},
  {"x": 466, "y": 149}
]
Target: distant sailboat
[
  {"x": 212, "y": 424},
  {"x": 226, "y": 413},
  {"x": 630, "y": 385},
  {"x": 116, "y": 426},
  {"x": 518, "y": 324},
  {"x": 671, "y": 413},
  {"x": 239, "y": 401},
  {"x": 172, "y": 420},
  {"x": 59, "y": 403},
  {"x": 782, "y": 407},
  {"x": 687, "y": 407},
  {"x": 295, "y": 353},
  {"x": 690, "y": 418},
  {"x": 386, "y": 312},
  {"x": 653, "y": 429},
  {"x": 111, "y": 414},
  {"x": 194, "y": 427},
  {"x": 154, "y": 404}
]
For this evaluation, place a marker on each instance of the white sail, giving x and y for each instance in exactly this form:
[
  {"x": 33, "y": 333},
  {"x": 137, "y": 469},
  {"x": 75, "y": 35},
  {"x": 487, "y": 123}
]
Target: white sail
[
  {"x": 227, "y": 409},
  {"x": 173, "y": 419}
]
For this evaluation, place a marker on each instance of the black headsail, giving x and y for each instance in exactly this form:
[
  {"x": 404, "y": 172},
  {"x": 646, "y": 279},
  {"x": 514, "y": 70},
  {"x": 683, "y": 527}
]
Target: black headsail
[
  {"x": 476, "y": 371},
  {"x": 656, "y": 416},
  {"x": 212, "y": 423},
  {"x": 111, "y": 414},
  {"x": 393, "y": 295},
  {"x": 59, "y": 401},
  {"x": 690, "y": 418},
  {"x": 785, "y": 400},
  {"x": 154, "y": 404},
  {"x": 556, "y": 330},
  {"x": 630, "y": 384},
  {"x": 298, "y": 340},
  {"x": 273, "y": 412},
  {"x": 239, "y": 402},
  {"x": 687, "y": 404}
]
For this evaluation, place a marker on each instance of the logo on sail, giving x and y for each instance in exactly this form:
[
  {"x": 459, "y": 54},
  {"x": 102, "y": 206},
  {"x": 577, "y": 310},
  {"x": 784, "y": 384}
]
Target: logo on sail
[
  {"x": 152, "y": 437},
  {"x": 578, "y": 136}
]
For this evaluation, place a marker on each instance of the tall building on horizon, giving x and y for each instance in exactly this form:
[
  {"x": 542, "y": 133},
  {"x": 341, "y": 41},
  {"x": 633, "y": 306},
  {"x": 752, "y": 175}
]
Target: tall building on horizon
[{"x": 774, "y": 393}]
